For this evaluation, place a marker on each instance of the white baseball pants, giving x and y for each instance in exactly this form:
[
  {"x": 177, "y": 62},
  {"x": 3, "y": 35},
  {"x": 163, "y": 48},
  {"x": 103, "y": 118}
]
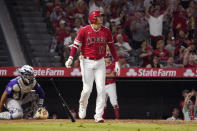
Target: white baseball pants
[
  {"x": 15, "y": 110},
  {"x": 93, "y": 70},
  {"x": 110, "y": 91}
]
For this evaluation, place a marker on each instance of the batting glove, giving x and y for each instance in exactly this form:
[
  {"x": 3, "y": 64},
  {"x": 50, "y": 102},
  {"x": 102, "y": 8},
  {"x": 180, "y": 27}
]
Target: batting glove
[
  {"x": 69, "y": 62},
  {"x": 117, "y": 68}
]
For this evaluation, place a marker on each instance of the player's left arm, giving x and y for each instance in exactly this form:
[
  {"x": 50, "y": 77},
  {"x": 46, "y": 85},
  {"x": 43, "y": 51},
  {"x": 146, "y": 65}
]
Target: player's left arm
[
  {"x": 112, "y": 49},
  {"x": 41, "y": 93}
]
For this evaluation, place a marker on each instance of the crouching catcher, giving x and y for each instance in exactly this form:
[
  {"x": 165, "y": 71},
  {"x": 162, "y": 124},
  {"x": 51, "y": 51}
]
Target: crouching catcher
[{"x": 18, "y": 98}]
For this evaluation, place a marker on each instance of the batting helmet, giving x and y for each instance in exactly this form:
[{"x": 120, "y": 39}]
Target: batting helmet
[{"x": 93, "y": 15}]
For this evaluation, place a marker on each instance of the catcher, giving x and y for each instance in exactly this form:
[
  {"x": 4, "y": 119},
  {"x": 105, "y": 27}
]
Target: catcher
[{"x": 18, "y": 94}]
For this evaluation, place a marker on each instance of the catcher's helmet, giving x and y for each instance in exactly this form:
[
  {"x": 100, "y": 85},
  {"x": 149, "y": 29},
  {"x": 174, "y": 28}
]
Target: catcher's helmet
[
  {"x": 93, "y": 15},
  {"x": 27, "y": 73}
]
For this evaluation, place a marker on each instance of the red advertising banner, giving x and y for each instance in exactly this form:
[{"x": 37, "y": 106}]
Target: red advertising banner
[{"x": 125, "y": 72}]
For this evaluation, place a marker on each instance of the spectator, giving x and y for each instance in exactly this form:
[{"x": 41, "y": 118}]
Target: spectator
[
  {"x": 106, "y": 21},
  {"x": 56, "y": 11},
  {"x": 161, "y": 53},
  {"x": 191, "y": 19},
  {"x": 135, "y": 6},
  {"x": 96, "y": 5},
  {"x": 179, "y": 20},
  {"x": 170, "y": 46},
  {"x": 155, "y": 21},
  {"x": 120, "y": 31},
  {"x": 123, "y": 62},
  {"x": 61, "y": 33},
  {"x": 81, "y": 9},
  {"x": 138, "y": 29},
  {"x": 190, "y": 57},
  {"x": 154, "y": 63},
  {"x": 182, "y": 41},
  {"x": 184, "y": 94},
  {"x": 78, "y": 24},
  {"x": 68, "y": 41},
  {"x": 175, "y": 114},
  {"x": 146, "y": 53},
  {"x": 171, "y": 64},
  {"x": 189, "y": 110},
  {"x": 124, "y": 47},
  {"x": 115, "y": 12},
  {"x": 142, "y": 56},
  {"x": 172, "y": 5}
]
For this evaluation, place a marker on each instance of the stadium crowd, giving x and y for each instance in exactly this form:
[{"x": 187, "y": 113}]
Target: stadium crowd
[{"x": 147, "y": 33}]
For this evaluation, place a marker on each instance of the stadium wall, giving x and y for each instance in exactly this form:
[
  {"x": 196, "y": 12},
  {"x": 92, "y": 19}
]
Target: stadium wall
[{"x": 139, "y": 98}]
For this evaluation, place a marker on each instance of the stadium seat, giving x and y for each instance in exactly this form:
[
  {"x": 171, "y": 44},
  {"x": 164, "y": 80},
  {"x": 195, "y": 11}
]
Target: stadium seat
[
  {"x": 5, "y": 59},
  {"x": 34, "y": 35}
]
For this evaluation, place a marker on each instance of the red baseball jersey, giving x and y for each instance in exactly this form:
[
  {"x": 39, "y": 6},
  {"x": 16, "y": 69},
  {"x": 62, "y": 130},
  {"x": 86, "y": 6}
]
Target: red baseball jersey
[
  {"x": 109, "y": 70},
  {"x": 93, "y": 42}
]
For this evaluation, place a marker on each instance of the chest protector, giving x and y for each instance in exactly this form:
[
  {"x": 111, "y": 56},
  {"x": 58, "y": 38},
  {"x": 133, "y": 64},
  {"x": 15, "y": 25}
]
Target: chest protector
[{"x": 20, "y": 89}]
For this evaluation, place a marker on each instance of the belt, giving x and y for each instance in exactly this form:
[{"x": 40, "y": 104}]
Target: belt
[{"x": 92, "y": 58}]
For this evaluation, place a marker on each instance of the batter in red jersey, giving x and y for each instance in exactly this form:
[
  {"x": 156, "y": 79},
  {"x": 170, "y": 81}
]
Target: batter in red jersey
[
  {"x": 93, "y": 40},
  {"x": 110, "y": 86}
]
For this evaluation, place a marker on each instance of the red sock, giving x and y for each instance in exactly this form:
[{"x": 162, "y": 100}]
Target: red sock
[
  {"x": 104, "y": 113},
  {"x": 116, "y": 111}
]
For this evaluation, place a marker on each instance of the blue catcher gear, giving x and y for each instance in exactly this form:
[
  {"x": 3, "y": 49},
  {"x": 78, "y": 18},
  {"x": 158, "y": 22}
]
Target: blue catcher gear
[{"x": 27, "y": 73}]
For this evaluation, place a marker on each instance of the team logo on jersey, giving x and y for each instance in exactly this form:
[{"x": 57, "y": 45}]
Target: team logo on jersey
[
  {"x": 92, "y": 40},
  {"x": 188, "y": 73}
]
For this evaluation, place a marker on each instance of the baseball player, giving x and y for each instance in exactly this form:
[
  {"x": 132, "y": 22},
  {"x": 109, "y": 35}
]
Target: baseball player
[
  {"x": 93, "y": 40},
  {"x": 16, "y": 90},
  {"x": 110, "y": 86}
]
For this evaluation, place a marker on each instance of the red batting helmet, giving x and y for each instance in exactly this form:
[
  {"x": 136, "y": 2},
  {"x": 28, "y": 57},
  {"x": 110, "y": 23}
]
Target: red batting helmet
[{"x": 93, "y": 15}]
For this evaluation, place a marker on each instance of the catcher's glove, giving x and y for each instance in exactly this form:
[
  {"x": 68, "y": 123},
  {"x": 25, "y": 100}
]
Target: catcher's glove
[{"x": 41, "y": 113}]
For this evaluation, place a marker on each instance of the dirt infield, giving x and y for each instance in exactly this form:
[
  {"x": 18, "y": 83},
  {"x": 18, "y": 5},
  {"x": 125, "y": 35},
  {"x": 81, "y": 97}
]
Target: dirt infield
[{"x": 177, "y": 122}]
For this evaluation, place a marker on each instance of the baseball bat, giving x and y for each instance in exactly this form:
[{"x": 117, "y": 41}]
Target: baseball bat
[{"x": 63, "y": 102}]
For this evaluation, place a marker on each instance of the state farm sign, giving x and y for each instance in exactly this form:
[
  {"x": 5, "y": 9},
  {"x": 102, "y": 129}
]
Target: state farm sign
[
  {"x": 150, "y": 72},
  {"x": 125, "y": 72},
  {"x": 49, "y": 72},
  {"x": 3, "y": 72}
]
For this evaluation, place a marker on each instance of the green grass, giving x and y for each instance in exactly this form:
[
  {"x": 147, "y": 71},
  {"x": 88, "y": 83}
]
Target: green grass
[{"x": 91, "y": 126}]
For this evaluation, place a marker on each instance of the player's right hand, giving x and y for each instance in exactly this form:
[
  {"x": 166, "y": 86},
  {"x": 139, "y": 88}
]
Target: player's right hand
[{"x": 69, "y": 62}]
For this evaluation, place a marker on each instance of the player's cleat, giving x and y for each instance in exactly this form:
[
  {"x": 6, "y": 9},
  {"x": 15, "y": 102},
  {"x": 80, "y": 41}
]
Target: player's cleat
[
  {"x": 82, "y": 112},
  {"x": 99, "y": 120}
]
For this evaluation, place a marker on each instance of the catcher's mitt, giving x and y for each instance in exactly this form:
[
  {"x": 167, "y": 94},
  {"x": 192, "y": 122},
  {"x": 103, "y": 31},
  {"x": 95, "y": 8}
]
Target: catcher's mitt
[{"x": 41, "y": 113}]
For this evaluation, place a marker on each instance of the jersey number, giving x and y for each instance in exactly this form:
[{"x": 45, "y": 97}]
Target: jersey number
[{"x": 101, "y": 50}]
